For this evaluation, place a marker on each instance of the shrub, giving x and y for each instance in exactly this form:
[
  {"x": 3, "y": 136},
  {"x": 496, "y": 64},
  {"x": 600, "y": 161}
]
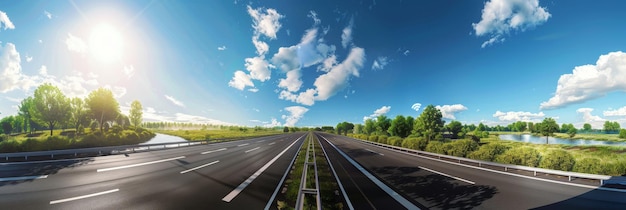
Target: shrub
[
  {"x": 55, "y": 142},
  {"x": 395, "y": 141},
  {"x": 525, "y": 156},
  {"x": 10, "y": 146},
  {"x": 3, "y": 137},
  {"x": 435, "y": 147},
  {"x": 461, "y": 148},
  {"x": 622, "y": 133},
  {"x": 373, "y": 138},
  {"x": 488, "y": 152},
  {"x": 116, "y": 129},
  {"x": 614, "y": 169},
  {"x": 588, "y": 165},
  {"x": 382, "y": 139},
  {"x": 559, "y": 160},
  {"x": 415, "y": 143}
]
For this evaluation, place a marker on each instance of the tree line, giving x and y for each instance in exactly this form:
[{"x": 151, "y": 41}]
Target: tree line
[{"x": 49, "y": 108}]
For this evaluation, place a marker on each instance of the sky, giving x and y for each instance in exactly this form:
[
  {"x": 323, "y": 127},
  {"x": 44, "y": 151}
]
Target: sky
[{"x": 316, "y": 63}]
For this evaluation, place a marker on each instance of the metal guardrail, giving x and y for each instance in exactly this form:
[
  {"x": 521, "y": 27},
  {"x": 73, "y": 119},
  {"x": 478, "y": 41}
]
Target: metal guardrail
[
  {"x": 303, "y": 191},
  {"x": 100, "y": 150},
  {"x": 506, "y": 167}
]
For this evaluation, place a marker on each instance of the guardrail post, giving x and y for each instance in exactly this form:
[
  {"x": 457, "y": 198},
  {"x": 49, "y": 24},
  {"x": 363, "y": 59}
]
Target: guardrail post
[
  {"x": 52, "y": 156},
  {"x": 570, "y": 178},
  {"x": 601, "y": 182},
  {"x": 535, "y": 173},
  {"x": 25, "y": 157},
  {"x": 506, "y": 168}
]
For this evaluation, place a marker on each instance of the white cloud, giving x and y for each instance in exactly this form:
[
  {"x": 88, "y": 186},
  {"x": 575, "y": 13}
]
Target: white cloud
[
  {"x": 129, "y": 71},
  {"x": 15, "y": 100},
  {"x": 292, "y": 82},
  {"x": 43, "y": 70},
  {"x": 346, "y": 35},
  {"x": 266, "y": 23},
  {"x": 240, "y": 80},
  {"x": 180, "y": 117},
  {"x": 295, "y": 114},
  {"x": 4, "y": 20},
  {"x": 254, "y": 90},
  {"x": 380, "y": 63},
  {"x": 499, "y": 17},
  {"x": 273, "y": 123},
  {"x": 338, "y": 77},
  {"x": 590, "y": 81},
  {"x": 595, "y": 121},
  {"x": 47, "y": 14},
  {"x": 118, "y": 91},
  {"x": 222, "y": 48},
  {"x": 519, "y": 116},
  {"x": 617, "y": 112},
  {"x": 448, "y": 111},
  {"x": 313, "y": 15},
  {"x": 381, "y": 111},
  {"x": 29, "y": 58},
  {"x": 256, "y": 110},
  {"x": 259, "y": 68},
  {"x": 75, "y": 44},
  {"x": 174, "y": 101},
  {"x": 406, "y": 52},
  {"x": 11, "y": 76},
  {"x": 40, "y": 41}
]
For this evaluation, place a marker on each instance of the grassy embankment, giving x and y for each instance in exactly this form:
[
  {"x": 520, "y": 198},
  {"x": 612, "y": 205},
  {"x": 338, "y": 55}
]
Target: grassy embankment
[
  {"x": 42, "y": 141},
  {"x": 218, "y": 134}
]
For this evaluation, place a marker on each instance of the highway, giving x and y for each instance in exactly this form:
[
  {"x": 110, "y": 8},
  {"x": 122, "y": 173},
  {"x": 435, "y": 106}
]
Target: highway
[{"x": 440, "y": 185}]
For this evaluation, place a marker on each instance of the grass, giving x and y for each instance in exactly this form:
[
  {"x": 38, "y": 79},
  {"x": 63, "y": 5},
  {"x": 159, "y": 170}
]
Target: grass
[
  {"x": 584, "y": 136},
  {"x": 225, "y": 134}
]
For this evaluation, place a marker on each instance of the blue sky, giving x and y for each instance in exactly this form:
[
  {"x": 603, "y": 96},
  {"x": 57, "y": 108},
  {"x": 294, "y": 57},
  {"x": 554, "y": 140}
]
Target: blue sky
[{"x": 264, "y": 63}]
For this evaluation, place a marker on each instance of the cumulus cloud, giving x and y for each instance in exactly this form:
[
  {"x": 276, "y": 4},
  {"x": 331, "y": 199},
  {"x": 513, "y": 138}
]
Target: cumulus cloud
[
  {"x": 590, "y": 81},
  {"x": 29, "y": 58},
  {"x": 381, "y": 111},
  {"x": 595, "y": 121},
  {"x": 617, "y": 112},
  {"x": 11, "y": 76},
  {"x": 4, "y": 20},
  {"x": 240, "y": 80},
  {"x": 129, "y": 71},
  {"x": 338, "y": 77},
  {"x": 499, "y": 17},
  {"x": 518, "y": 116},
  {"x": 448, "y": 111},
  {"x": 380, "y": 63},
  {"x": 75, "y": 44},
  {"x": 273, "y": 123},
  {"x": 265, "y": 21},
  {"x": 295, "y": 114},
  {"x": 259, "y": 68},
  {"x": 254, "y": 90},
  {"x": 222, "y": 48},
  {"x": 174, "y": 101},
  {"x": 346, "y": 34}
]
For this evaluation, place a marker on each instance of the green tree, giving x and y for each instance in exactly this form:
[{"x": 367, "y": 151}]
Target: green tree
[
  {"x": 587, "y": 127},
  {"x": 399, "y": 127},
  {"x": 79, "y": 113},
  {"x": 382, "y": 124},
  {"x": 7, "y": 124},
  {"x": 548, "y": 127},
  {"x": 370, "y": 126},
  {"x": 103, "y": 106},
  {"x": 455, "y": 127},
  {"x": 136, "y": 113},
  {"x": 347, "y": 127},
  {"x": 24, "y": 110},
  {"x": 285, "y": 129},
  {"x": 358, "y": 129},
  {"x": 611, "y": 126},
  {"x": 622, "y": 133},
  {"x": 429, "y": 123},
  {"x": 571, "y": 132},
  {"x": 51, "y": 107}
]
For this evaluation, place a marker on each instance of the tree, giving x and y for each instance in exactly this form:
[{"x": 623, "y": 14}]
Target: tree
[
  {"x": 587, "y": 127},
  {"x": 370, "y": 126},
  {"x": 24, "y": 110},
  {"x": 50, "y": 106},
  {"x": 7, "y": 124},
  {"x": 382, "y": 124},
  {"x": 611, "y": 126},
  {"x": 285, "y": 129},
  {"x": 347, "y": 127},
  {"x": 571, "y": 132},
  {"x": 399, "y": 127},
  {"x": 103, "y": 106},
  {"x": 455, "y": 127},
  {"x": 622, "y": 133},
  {"x": 358, "y": 128},
  {"x": 79, "y": 113},
  {"x": 136, "y": 113},
  {"x": 429, "y": 123},
  {"x": 548, "y": 127}
]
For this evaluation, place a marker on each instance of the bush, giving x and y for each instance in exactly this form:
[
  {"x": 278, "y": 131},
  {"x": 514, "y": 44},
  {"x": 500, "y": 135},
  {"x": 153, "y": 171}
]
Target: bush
[
  {"x": 372, "y": 138},
  {"x": 10, "y": 146},
  {"x": 525, "y": 156},
  {"x": 461, "y": 148},
  {"x": 622, "y": 133},
  {"x": 614, "y": 169},
  {"x": 559, "y": 160},
  {"x": 382, "y": 139},
  {"x": 415, "y": 143},
  {"x": 395, "y": 141},
  {"x": 488, "y": 152},
  {"x": 436, "y": 147},
  {"x": 55, "y": 142},
  {"x": 3, "y": 137},
  {"x": 588, "y": 165}
]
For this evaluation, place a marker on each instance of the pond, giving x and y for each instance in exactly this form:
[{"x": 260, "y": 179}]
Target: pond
[
  {"x": 163, "y": 138},
  {"x": 552, "y": 140}
]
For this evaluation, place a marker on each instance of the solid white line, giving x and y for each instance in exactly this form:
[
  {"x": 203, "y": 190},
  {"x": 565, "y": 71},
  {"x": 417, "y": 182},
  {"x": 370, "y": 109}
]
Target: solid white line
[
  {"x": 217, "y": 150},
  {"x": 272, "y": 143},
  {"x": 22, "y": 178},
  {"x": 138, "y": 164},
  {"x": 244, "y": 184},
  {"x": 241, "y": 145},
  {"x": 443, "y": 174},
  {"x": 45, "y": 161},
  {"x": 199, "y": 167},
  {"x": 375, "y": 152},
  {"x": 282, "y": 180},
  {"x": 250, "y": 150},
  {"x": 84, "y": 196}
]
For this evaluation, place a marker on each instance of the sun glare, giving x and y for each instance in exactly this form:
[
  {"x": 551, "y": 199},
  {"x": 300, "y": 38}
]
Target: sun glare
[{"x": 106, "y": 43}]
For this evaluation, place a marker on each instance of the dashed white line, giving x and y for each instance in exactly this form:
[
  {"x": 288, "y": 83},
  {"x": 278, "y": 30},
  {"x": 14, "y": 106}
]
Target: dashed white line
[
  {"x": 250, "y": 150},
  {"x": 217, "y": 150},
  {"x": 443, "y": 174},
  {"x": 199, "y": 167},
  {"x": 272, "y": 143},
  {"x": 84, "y": 196},
  {"x": 241, "y": 145},
  {"x": 138, "y": 164},
  {"x": 22, "y": 178}
]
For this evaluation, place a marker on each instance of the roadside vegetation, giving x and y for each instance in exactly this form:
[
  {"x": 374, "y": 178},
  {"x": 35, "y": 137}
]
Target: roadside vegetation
[
  {"x": 49, "y": 120},
  {"x": 430, "y": 133}
]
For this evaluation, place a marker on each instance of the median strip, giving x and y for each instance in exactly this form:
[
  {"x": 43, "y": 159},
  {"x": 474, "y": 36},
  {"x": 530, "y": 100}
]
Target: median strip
[
  {"x": 199, "y": 167},
  {"x": 22, "y": 178},
  {"x": 252, "y": 149},
  {"x": 139, "y": 164},
  {"x": 84, "y": 196},
  {"x": 217, "y": 150}
]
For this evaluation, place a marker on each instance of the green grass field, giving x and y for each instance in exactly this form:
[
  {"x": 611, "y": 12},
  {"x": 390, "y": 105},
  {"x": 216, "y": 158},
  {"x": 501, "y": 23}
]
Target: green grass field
[{"x": 224, "y": 134}]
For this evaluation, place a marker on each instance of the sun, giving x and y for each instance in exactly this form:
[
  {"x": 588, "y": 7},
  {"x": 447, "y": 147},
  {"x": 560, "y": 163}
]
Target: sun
[{"x": 106, "y": 43}]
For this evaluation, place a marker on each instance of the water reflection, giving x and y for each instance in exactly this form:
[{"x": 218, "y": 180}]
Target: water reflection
[
  {"x": 163, "y": 138},
  {"x": 552, "y": 140}
]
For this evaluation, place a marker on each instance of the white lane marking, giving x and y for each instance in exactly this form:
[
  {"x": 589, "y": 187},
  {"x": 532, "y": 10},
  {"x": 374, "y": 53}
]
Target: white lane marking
[
  {"x": 138, "y": 164},
  {"x": 403, "y": 201},
  {"x": 375, "y": 152},
  {"x": 282, "y": 180},
  {"x": 84, "y": 196},
  {"x": 272, "y": 143},
  {"x": 199, "y": 167},
  {"x": 22, "y": 178},
  {"x": 45, "y": 161},
  {"x": 217, "y": 150},
  {"x": 244, "y": 184},
  {"x": 250, "y": 150},
  {"x": 241, "y": 145},
  {"x": 443, "y": 174},
  {"x": 260, "y": 141}
]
